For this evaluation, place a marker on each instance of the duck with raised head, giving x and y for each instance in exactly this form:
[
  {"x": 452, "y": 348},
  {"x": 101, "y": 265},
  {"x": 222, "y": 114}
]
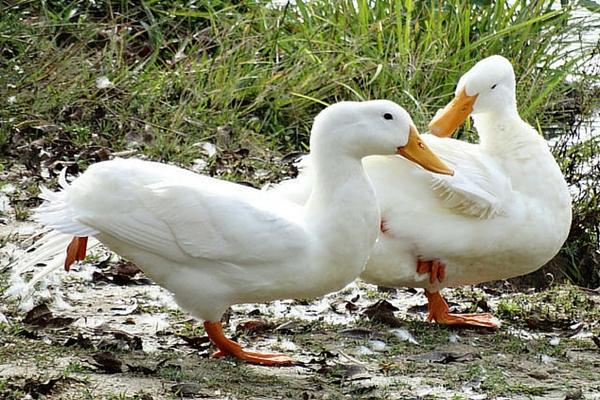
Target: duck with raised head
[
  {"x": 505, "y": 212},
  {"x": 214, "y": 243}
]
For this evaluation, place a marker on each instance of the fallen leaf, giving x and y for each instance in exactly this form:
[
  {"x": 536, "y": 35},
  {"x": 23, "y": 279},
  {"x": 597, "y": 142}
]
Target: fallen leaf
[
  {"x": 47, "y": 128},
  {"x": 360, "y": 332},
  {"x": 483, "y": 305},
  {"x": 134, "y": 342},
  {"x": 125, "y": 268},
  {"x": 307, "y": 396},
  {"x": 196, "y": 342},
  {"x": 290, "y": 327},
  {"x": 42, "y": 317},
  {"x": 293, "y": 157},
  {"x": 145, "y": 369},
  {"x": 254, "y": 313},
  {"x": 445, "y": 357},
  {"x": 418, "y": 309},
  {"x": 322, "y": 357},
  {"x": 385, "y": 289},
  {"x": 81, "y": 341},
  {"x": 108, "y": 362},
  {"x": 352, "y": 371},
  {"x": 38, "y": 315},
  {"x": 341, "y": 306},
  {"x": 345, "y": 372},
  {"x": 27, "y": 334},
  {"x": 254, "y": 327},
  {"x": 224, "y": 133},
  {"x": 226, "y": 316},
  {"x": 192, "y": 389},
  {"x": 122, "y": 273},
  {"x": 125, "y": 310},
  {"x": 545, "y": 324},
  {"x": 383, "y": 313},
  {"x": 380, "y": 307},
  {"x": 36, "y": 388},
  {"x": 100, "y": 277}
]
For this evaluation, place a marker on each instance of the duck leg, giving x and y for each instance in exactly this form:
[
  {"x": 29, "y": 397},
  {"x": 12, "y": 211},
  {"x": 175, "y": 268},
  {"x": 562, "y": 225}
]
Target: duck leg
[
  {"x": 437, "y": 306},
  {"x": 230, "y": 348},
  {"x": 75, "y": 251},
  {"x": 435, "y": 268}
]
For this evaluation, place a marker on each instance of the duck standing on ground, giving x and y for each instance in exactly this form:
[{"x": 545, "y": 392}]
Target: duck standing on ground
[
  {"x": 505, "y": 212},
  {"x": 214, "y": 243}
]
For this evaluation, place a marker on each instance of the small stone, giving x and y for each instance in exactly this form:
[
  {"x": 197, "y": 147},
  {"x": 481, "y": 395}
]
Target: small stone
[
  {"x": 546, "y": 359},
  {"x": 377, "y": 345},
  {"x": 364, "y": 351},
  {"x": 404, "y": 335},
  {"x": 540, "y": 375},
  {"x": 104, "y": 83},
  {"x": 575, "y": 394},
  {"x": 187, "y": 389}
]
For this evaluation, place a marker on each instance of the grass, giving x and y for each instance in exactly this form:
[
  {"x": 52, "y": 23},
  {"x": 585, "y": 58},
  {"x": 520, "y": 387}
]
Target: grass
[
  {"x": 562, "y": 304},
  {"x": 180, "y": 73},
  {"x": 250, "y": 78}
]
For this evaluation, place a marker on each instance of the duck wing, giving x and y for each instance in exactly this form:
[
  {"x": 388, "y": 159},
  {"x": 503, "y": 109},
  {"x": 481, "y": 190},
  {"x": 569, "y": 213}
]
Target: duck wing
[
  {"x": 478, "y": 188},
  {"x": 178, "y": 214}
]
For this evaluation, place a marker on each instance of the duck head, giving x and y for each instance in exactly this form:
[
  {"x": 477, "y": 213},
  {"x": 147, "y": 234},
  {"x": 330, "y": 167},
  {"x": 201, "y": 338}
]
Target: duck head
[
  {"x": 488, "y": 87},
  {"x": 376, "y": 127}
]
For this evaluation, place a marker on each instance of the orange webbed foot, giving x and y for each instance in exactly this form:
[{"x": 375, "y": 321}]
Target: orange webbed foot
[
  {"x": 230, "y": 348},
  {"x": 440, "y": 313},
  {"x": 75, "y": 251}
]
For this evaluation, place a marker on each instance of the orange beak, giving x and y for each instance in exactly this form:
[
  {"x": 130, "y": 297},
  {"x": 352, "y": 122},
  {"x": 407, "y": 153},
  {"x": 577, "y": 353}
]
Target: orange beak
[
  {"x": 417, "y": 151},
  {"x": 453, "y": 115}
]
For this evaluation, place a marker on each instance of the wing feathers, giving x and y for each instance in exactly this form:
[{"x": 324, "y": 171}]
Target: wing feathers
[{"x": 478, "y": 186}]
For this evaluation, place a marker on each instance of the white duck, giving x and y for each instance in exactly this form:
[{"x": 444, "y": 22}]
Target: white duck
[
  {"x": 505, "y": 212},
  {"x": 214, "y": 243}
]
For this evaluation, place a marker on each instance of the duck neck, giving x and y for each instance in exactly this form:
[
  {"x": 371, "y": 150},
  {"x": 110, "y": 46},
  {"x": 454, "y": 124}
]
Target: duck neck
[
  {"x": 503, "y": 130},
  {"x": 342, "y": 210},
  {"x": 525, "y": 158}
]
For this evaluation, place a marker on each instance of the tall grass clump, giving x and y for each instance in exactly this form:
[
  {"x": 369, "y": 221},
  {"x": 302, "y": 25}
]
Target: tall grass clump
[{"x": 78, "y": 78}]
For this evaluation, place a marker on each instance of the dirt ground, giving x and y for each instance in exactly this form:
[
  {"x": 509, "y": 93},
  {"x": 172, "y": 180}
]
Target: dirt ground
[{"x": 104, "y": 331}]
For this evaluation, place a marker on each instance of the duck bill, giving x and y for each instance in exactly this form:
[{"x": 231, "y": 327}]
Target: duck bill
[
  {"x": 417, "y": 151},
  {"x": 453, "y": 115}
]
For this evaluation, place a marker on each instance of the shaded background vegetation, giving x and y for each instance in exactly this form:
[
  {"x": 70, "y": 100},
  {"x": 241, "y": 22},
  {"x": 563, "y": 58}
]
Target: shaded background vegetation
[{"x": 82, "y": 80}]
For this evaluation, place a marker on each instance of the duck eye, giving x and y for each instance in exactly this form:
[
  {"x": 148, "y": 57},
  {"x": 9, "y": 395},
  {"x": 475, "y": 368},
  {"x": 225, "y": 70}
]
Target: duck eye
[
  {"x": 388, "y": 116},
  {"x": 494, "y": 86}
]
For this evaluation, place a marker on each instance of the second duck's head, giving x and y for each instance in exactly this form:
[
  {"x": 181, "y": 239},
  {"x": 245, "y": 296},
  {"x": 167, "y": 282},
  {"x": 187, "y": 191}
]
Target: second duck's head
[
  {"x": 489, "y": 86},
  {"x": 376, "y": 127}
]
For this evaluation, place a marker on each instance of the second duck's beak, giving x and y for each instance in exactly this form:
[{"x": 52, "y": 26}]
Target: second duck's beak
[
  {"x": 453, "y": 115},
  {"x": 417, "y": 151}
]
